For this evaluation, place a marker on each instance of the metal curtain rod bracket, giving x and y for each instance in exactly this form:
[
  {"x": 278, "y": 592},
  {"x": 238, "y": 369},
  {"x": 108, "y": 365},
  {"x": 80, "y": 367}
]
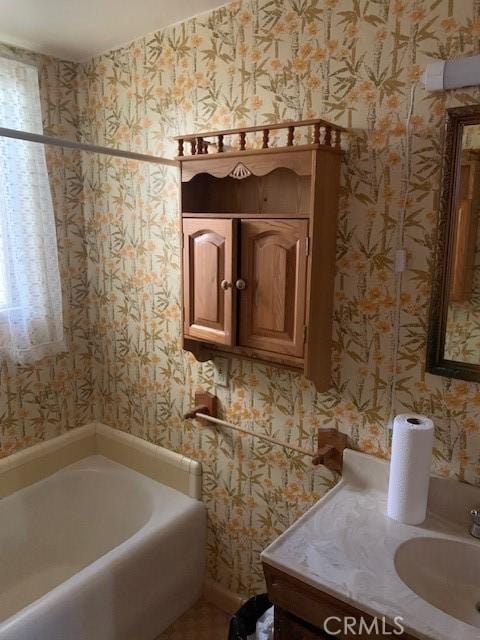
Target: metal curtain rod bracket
[
  {"x": 331, "y": 443},
  {"x": 81, "y": 146}
]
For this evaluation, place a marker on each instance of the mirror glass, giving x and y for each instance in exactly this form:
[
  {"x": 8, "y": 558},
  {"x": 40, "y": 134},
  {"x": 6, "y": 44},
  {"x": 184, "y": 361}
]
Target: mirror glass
[{"x": 462, "y": 336}]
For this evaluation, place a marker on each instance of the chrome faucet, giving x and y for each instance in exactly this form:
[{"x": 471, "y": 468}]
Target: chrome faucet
[{"x": 475, "y": 528}]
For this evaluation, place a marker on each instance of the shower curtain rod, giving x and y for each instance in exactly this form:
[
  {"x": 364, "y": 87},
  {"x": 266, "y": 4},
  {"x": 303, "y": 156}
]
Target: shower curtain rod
[{"x": 70, "y": 144}]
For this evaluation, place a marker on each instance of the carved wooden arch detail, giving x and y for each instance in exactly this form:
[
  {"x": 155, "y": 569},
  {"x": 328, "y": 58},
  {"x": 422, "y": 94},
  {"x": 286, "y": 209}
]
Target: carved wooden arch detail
[{"x": 240, "y": 171}]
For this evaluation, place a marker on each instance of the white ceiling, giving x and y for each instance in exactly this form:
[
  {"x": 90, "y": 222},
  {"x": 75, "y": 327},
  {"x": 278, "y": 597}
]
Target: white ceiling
[{"x": 79, "y": 29}]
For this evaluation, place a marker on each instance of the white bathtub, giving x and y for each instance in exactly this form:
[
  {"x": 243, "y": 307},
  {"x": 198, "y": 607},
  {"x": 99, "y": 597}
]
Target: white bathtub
[{"x": 98, "y": 551}]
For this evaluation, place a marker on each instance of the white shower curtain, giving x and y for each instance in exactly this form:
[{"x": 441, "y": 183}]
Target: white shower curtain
[{"x": 31, "y": 321}]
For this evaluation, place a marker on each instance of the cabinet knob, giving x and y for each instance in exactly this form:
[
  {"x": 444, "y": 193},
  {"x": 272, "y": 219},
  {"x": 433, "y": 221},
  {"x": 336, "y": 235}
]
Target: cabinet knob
[
  {"x": 241, "y": 284},
  {"x": 225, "y": 284}
]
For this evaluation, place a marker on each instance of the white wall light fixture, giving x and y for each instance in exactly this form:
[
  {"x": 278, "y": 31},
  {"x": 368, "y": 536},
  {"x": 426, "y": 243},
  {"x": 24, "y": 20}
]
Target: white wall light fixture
[{"x": 452, "y": 74}]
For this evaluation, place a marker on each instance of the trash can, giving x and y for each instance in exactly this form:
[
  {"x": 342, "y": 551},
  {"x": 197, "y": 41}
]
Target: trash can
[{"x": 244, "y": 622}]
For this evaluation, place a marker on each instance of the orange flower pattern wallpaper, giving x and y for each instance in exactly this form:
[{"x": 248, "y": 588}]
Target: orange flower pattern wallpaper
[{"x": 356, "y": 62}]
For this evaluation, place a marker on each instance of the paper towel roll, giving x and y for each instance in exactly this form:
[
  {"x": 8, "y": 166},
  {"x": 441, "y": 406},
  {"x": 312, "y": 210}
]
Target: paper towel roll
[{"x": 410, "y": 468}]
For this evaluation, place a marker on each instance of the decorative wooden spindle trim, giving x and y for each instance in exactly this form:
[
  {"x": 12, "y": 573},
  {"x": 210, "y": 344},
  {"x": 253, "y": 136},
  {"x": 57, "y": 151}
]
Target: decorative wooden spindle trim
[
  {"x": 243, "y": 136},
  {"x": 328, "y": 137},
  {"x": 323, "y": 133},
  {"x": 266, "y": 134},
  {"x": 291, "y": 134},
  {"x": 272, "y": 127},
  {"x": 338, "y": 138}
]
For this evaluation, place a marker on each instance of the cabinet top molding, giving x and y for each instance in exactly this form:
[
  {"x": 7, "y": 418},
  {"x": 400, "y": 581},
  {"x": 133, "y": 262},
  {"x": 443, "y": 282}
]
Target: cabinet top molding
[{"x": 325, "y": 134}]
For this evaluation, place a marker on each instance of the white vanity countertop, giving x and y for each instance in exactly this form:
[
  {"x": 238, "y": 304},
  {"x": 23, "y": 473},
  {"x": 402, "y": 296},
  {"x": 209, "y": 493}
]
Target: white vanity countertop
[{"x": 345, "y": 546}]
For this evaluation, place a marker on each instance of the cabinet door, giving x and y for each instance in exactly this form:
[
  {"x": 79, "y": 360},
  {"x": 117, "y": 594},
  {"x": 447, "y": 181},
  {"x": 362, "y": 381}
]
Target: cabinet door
[
  {"x": 208, "y": 258},
  {"x": 273, "y": 268},
  {"x": 287, "y": 627}
]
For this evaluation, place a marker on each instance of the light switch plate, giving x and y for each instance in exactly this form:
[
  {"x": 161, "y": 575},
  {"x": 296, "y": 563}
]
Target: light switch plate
[{"x": 221, "y": 374}]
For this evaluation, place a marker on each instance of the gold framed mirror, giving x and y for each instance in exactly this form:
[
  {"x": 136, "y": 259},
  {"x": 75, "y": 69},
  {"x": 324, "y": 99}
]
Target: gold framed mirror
[{"x": 453, "y": 345}]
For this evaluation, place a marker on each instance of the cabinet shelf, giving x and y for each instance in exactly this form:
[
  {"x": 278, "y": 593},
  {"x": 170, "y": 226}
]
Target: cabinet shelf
[
  {"x": 279, "y": 191},
  {"x": 247, "y": 216}
]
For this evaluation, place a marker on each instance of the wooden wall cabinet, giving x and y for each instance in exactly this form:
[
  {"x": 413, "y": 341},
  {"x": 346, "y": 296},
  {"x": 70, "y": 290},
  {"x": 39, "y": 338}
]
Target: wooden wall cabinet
[{"x": 258, "y": 235}]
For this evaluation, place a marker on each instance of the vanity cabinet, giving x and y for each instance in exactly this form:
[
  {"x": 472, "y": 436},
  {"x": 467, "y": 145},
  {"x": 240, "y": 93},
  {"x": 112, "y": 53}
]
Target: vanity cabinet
[
  {"x": 288, "y": 627},
  {"x": 303, "y": 612},
  {"x": 258, "y": 236}
]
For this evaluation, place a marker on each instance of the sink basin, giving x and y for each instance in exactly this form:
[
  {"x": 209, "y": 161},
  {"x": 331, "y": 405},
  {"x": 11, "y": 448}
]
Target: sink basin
[{"x": 445, "y": 573}]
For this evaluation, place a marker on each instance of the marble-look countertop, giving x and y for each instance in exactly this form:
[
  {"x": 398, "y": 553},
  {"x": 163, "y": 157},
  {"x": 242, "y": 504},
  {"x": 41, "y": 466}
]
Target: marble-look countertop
[{"x": 345, "y": 546}]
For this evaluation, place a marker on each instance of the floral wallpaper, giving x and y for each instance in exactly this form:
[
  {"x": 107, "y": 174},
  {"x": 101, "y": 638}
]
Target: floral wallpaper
[
  {"x": 352, "y": 61},
  {"x": 44, "y": 399},
  {"x": 462, "y": 339},
  {"x": 471, "y": 137}
]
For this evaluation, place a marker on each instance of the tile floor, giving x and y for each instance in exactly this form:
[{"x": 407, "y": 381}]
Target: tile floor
[{"x": 202, "y": 622}]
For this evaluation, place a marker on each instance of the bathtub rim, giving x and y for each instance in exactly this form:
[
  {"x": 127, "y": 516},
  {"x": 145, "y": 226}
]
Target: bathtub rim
[{"x": 42, "y": 460}]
